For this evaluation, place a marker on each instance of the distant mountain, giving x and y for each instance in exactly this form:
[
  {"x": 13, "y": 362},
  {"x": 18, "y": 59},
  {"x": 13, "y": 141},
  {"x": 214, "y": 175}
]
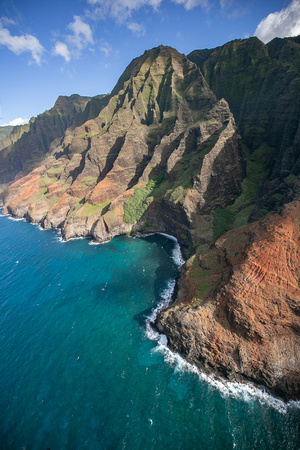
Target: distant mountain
[
  {"x": 5, "y": 131},
  {"x": 163, "y": 152},
  {"x": 27, "y": 145}
]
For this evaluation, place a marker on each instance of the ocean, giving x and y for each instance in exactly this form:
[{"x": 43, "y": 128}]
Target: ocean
[{"x": 80, "y": 367}]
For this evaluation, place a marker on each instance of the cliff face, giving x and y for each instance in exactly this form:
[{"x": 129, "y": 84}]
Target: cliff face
[
  {"x": 261, "y": 84},
  {"x": 162, "y": 153},
  {"x": 238, "y": 312},
  {"x": 25, "y": 147},
  {"x": 163, "y": 144}
]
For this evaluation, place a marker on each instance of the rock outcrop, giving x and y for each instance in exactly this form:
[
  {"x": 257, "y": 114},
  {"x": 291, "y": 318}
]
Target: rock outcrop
[{"x": 237, "y": 312}]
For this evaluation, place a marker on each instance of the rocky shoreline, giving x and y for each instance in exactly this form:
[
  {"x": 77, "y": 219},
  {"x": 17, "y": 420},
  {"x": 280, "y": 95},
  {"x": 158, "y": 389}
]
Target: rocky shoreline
[
  {"x": 236, "y": 333},
  {"x": 247, "y": 326},
  {"x": 163, "y": 153}
]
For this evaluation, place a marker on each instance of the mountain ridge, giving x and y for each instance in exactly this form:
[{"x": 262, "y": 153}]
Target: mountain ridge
[
  {"x": 163, "y": 153},
  {"x": 261, "y": 84}
]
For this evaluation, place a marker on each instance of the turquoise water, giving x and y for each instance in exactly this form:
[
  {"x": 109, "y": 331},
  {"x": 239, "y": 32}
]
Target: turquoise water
[{"x": 79, "y": 370}]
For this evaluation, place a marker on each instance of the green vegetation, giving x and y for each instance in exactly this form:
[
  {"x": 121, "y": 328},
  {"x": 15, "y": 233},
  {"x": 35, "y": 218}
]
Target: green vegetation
[
  {"x": 237, "y": 215},
  {"x": 185, "y": 169},
  {"x": 156, "y": 133},
  {"x": 89, "y": 181},
  {"x": 290, "y": 179},
  {"x": 135, "y": 207},
  {"x": 46, "y": 181},
  {"x": 41, "y": 194},
  {"x": 52, "y": 201},
  {"x": 256, "y": 170},
  {"x": 76, "y": 207},
  {"x": 88, "y": 210},
  {"x": 5, "y": 131},
  {"x": 222, "y": 222},
  {"x": 204, "y": 277},
  {"x": 55, "y": 170}
]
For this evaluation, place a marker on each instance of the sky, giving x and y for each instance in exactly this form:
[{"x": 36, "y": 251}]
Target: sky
[{"x": 62, "y": 47}]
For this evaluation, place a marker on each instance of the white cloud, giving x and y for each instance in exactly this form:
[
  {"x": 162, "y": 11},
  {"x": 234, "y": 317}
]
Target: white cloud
[
  {"x": 136, "y": 28},
  {"x": 120, "y": 10},
  {"x": 283, "y": 23},
  {"x": 105, "y": 48},
  {"x": 190, "y": 4},
  {"x": 82, "y": 33},
  {"x": 225, "y": 3},
  {"x": 5, "y": 21},
  {"x": 62, "y": 49},
  {"x": 81, "y": 37},
  {"x": 15, "y": 122},
  {"x": 20, "y": 44}
]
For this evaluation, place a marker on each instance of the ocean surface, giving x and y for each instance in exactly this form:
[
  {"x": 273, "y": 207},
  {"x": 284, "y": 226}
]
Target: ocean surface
[{"x": 80, "y": 368}]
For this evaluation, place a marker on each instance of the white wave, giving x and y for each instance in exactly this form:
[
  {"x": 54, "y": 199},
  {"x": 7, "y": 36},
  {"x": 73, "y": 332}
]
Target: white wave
[
  {"x": 169, "y": 236},
  {"x": 240, "y": 391},
  {"x": 16, "y": 219},
  {"x": 94, "y": 242},
  {"x": 166, "y": 298},
  {"x": 58, "y": 236},
  {"x": 177, "y": 255}
]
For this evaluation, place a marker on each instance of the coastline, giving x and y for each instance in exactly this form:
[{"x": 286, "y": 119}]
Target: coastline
[{"x": 246, "y": 390}]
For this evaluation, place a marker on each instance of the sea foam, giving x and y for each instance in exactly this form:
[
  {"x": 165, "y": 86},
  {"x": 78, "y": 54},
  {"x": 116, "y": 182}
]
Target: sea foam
[{"x": 241, "y": 391}]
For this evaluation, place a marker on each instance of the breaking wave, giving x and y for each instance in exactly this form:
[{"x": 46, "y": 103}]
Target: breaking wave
[{"x": 240, "y": 391}]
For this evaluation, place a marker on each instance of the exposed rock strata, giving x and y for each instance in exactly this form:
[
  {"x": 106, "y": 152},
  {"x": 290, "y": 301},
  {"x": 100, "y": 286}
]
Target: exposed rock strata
[{"x": 237, "y": 313}]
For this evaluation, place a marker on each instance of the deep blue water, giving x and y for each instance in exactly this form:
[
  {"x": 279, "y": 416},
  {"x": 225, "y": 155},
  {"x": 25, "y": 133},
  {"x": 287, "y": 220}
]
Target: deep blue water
[{"x": 78, "y": 369}]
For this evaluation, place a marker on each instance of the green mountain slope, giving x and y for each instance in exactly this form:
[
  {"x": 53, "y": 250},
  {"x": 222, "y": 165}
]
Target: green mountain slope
[
  {"x": 261, "y": 84},
  {"x": 163, "y": 153}
]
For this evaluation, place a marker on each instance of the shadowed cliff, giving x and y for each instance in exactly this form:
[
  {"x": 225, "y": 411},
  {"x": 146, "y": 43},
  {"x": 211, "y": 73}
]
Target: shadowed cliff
[
  {"x": 162, "y": 152},
  {"x": 261, "y": 84}
]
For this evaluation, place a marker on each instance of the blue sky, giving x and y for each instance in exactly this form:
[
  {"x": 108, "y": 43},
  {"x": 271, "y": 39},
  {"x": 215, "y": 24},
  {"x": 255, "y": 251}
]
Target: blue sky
[{"x": 60, "y": 47}]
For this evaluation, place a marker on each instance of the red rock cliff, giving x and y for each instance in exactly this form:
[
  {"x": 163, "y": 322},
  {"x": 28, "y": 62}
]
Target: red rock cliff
[{"x": 238, "y": 306}]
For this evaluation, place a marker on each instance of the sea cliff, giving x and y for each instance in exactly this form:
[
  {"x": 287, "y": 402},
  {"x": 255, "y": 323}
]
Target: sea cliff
[{"x": 164, "y": 152}]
